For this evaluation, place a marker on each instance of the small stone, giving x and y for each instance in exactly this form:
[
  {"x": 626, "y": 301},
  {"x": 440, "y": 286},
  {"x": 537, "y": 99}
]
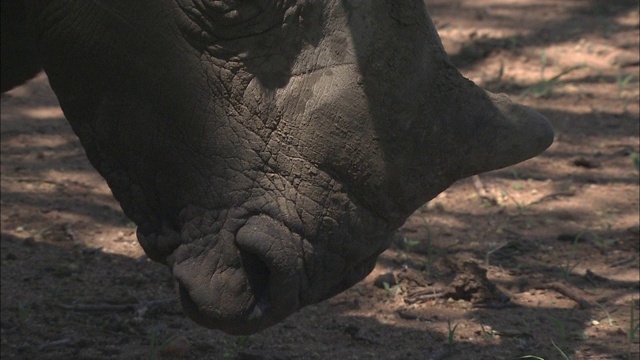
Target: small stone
[
  {"x": 73, "y": 267},
  {"x": 29, "y": 242},
  {"x": 585, "y": 163},
  {"x": 407, "y": 315},
  {"x": 178, "y": 347},
  {"x": 352, "y": 330},
  {"x": 387, "y": 278},
  {"x": 625, "y": 60}
]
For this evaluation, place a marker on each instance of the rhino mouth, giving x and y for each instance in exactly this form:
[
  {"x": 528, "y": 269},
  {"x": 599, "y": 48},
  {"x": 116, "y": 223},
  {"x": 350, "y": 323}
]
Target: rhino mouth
[
  {"x": 268, "y": 278},
  {"x": 253, "y": 309},
  {"x": 242, "y": 283},
  {"x": 237, "y": 317}
]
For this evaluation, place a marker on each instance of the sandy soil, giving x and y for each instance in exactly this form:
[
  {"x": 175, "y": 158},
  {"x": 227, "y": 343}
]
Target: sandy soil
[{"x": 540, "y": 259}]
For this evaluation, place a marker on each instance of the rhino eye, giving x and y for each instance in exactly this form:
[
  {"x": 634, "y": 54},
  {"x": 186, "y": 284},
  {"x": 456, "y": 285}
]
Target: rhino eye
[
  {"x": 230, "y": 12},
  {"x": 232, "y": 19}
]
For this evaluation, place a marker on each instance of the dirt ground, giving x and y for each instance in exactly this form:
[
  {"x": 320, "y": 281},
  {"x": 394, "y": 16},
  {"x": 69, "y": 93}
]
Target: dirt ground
[{"x": 539, "y": 260}]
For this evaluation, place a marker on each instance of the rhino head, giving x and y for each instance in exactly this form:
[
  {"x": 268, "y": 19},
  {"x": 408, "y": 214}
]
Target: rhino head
[{"x": 267, "y": 151}]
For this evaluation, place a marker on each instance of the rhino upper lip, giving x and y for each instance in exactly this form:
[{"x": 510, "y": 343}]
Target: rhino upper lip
[{"x": 271, "y": 288}]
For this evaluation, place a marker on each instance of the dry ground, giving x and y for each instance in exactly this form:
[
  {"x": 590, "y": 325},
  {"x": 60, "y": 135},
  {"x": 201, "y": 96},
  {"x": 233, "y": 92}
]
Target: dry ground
[{"x": 539, "y": 259}]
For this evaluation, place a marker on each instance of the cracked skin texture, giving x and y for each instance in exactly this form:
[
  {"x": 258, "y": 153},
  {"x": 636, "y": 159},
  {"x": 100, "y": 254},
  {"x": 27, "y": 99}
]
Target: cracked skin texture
[{"x": 267, "y": 151}]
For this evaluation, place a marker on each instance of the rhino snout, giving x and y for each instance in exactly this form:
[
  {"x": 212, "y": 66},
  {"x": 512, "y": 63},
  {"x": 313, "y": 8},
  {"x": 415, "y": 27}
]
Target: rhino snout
[{"x": 257, "y": 289}]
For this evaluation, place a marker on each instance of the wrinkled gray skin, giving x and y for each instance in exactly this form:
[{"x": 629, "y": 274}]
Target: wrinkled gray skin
[{"x": 268, "y": 151}]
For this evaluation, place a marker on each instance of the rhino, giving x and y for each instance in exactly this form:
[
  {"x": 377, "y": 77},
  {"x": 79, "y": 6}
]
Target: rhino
[{"x": 266, "y": 150}]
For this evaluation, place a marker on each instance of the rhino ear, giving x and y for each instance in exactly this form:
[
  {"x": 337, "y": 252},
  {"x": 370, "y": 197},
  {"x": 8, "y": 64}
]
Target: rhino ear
[{"x": 506, "y": 134}]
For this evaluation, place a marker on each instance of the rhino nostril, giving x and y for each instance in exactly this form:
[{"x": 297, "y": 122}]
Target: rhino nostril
[{"x": 258, "y": 274}]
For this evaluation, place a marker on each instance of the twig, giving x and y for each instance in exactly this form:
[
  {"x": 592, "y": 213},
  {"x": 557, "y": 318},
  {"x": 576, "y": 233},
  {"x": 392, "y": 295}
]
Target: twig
[
  {"x": 514, "y": 233},
  {"x": 568, "y": 292},
  {"x": 69, "y": 231},
  {"x": 482, "y": 191},
  {"x": 440, "y": 354},
  {"x": 113, "y": 307},
  {"x": 553, "y": 196},
  {"x": 490, "y": 252},
  {"x": 63, "y": 183},
  {"x": 98, "y": 307},
  {"x": 29, "y": 180},
  {"x": 65, "y": 341},
  {"x": 513, "y": 333},
  {"x": 424, "y": 294},
  {"x": 622, "y": 262},
  {"x": 354, "y": 332},
  {"x": 495, "y": 305}
]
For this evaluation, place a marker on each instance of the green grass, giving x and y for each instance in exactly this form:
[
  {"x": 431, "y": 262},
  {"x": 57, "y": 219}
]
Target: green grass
[
  {"x": 409, "y": 244},
  {"x": 569, "y": 264},
  {"x": 622, "y": 82},
  {"x": 543, "y": 62},
  {"x": 452, "y": 332},
  {"x": 609, "y": 318},
  {"x": 154, "y": 348},
  {"x": 487, "y": 256},
  {"x": 504, "y": 194},
  {"x": 392, "y": 291},
  {"x": 545, "y": 87},
  {"x": 489, "y": 334},
  {"x": 635, "y": 158},
  {"x": 25, "y": 311},
  {"x": 564, "y": 356},
  {"x": 632, "y": 333},
  {"x": 560, "y": 328},
  {"x": 428, "y": 262},
  {"x": 634, "y": 326}
]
